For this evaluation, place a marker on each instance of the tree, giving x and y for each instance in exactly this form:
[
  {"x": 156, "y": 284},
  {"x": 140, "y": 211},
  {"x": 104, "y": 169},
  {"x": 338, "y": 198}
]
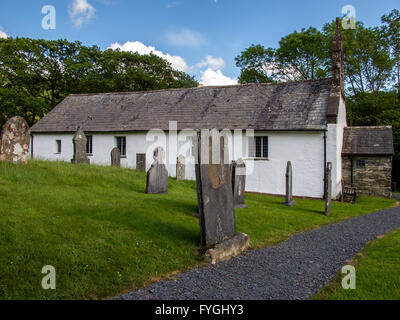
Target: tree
[
  {"x": 36, "y": 75},
  {"x": 300, "y": 56},
  {"x": 367, "y": 61},
  {"x": 255, "y": 63},
  {"x": 391, "y": 29}
]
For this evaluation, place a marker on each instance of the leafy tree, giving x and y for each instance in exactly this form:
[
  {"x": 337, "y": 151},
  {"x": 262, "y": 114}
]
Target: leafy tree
[
  {"x": 391, "y": 29},
  {"x": 256, "y": 64},
  {"x": 367, "y": 61},
  {"x": 36, "y": 75},
  {"x": 300, "y": 56}
]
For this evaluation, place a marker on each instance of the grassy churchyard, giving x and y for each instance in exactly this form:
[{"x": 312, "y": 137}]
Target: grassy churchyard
[{"x": 104, "y": 235}]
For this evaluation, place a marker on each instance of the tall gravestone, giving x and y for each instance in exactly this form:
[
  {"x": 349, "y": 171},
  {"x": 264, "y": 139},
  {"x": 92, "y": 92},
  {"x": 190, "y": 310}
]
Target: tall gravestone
[
  {"x": 157, "y": 176},
  {"x": 141, "y": 162},
  {"x": 15, "y": 139},
  {"x": 180, "y": 167},
  {"x": 289, "y": 185},
  {"x": 239, "y": 183},
  {"x": 115, "y": 157},
  {"x": 214, "y": 185},
  {"x": 215, "y": 199},
  {"x": 79, "y": 141},
  {"x": 328, "y": 189}
]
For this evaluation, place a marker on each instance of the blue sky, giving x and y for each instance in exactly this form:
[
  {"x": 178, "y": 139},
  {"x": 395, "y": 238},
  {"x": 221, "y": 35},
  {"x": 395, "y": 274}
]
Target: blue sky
[{"x": 201, "y": 37}]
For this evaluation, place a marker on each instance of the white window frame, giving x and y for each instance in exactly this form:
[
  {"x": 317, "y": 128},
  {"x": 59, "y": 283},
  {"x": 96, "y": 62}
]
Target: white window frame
[
  {"x": 252, "y": 154},
  {"x": 123, "y": 151},
  {"x": 58, "y": 146},
  {"x": 89, "y": 145}
]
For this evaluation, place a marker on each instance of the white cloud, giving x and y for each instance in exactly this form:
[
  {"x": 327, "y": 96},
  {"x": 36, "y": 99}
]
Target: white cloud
[
  {"x": 211, "y": 62},
  {"x": 212, "y": 77},
  {"x": 186, "y": 38},
  {"x": 80, "y": 12},
  {"x": 177, "y": 62},
  {"x": 2, "y": 33}
]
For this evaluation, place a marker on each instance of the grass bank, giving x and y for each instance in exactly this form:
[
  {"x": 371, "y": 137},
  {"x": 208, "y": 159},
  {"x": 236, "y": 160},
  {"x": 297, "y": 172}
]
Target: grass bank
[
  {"x": 104, "y": 235},
  {"x": 377, "y": 273}
]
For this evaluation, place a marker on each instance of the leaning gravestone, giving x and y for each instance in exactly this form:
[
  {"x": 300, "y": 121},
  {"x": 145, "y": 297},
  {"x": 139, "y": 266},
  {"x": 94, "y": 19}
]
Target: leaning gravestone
[
  {"x": 289, "y": 185},
  {"x": 115, "y": 157},
  {"x": 157, "y": 176},
  {"x": 141, "y": 162},
  {"x": 180, "y": 168},
  {"x": 215, "y": 199},
  {"x": 239, "y": 183},
  {"x": 79, "y": 140},
  {"x": 328, "y": 189},
  {"x": 15, "y": 138}
]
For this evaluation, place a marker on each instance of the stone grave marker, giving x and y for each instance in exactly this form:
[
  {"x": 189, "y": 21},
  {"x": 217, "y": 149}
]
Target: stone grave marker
[
  {"x": 15, "y": 139},
  {"x": 239, "y": 183},
  {"x": 328, "y": 189},
  {"x": 141, "y": 162},
  {"x": 215, "y": 199},
  {"x": 180, "y": 167},
  {"x": 79, "y": 140},
  {"x": 115, "y": 157},
  {"x": 157, "y": 176},
  {"x": 289, "y": 185}
]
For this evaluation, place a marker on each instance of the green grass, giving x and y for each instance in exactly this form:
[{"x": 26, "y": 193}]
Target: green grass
[
  {"x": 377, "y": 273},
  {"x": 104, "y": 235}
]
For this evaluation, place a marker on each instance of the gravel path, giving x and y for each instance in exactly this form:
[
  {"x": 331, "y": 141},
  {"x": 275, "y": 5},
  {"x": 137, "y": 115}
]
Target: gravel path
[{"x": 294, "y": 269}]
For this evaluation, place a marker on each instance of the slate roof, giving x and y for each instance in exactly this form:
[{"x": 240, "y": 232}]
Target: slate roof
[
  {"x": 286, "y": 106},
  {"x": 368, "y": 141}
]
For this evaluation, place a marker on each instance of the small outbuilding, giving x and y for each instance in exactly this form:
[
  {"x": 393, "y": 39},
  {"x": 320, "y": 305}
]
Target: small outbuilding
[{"x": 367, "y": 160}]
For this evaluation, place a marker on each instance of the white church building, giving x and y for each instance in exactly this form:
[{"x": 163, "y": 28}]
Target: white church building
[{"x": 302, "y": 122}]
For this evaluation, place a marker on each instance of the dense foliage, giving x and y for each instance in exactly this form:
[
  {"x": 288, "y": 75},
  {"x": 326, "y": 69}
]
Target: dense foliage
[
  {"x": 371, "y": 56},
  {"x": 35, "y": 75},
  {"x": 371, "y": 62}
]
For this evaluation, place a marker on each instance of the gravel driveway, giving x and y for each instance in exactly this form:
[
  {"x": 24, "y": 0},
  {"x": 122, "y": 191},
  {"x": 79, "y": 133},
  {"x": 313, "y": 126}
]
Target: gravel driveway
[{"x": 294, "y": 269}]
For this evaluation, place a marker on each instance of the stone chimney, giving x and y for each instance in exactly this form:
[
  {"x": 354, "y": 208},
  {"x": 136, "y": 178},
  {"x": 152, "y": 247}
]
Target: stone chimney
[{"x": 338, "y": 60}]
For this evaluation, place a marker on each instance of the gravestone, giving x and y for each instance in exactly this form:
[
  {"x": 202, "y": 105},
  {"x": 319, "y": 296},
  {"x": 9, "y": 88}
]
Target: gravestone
[
  {"x": 215, "y": 199},
  {"x": 328, "y": 189},
  {"x": 79, "y": 140},
  {"x": 15, "y": 138},
  {"x": 157, "y": 176},
  {"x": 115, "y": 157},
  {"x": 289, "y": 185},
  {"x": 214, "y": 189},
  {"x": 180, "y": 167},
  {"x": 141, "y": 162},
  {"x": 239, "y": 183}
]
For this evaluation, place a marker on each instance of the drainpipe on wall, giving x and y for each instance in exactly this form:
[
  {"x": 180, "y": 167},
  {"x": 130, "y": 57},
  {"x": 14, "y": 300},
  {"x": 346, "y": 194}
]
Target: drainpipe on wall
[{"x": 324, "y": 164}]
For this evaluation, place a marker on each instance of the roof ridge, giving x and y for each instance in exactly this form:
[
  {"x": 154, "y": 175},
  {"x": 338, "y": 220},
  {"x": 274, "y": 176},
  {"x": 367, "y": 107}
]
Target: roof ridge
[{"x": 200, "y": 88}]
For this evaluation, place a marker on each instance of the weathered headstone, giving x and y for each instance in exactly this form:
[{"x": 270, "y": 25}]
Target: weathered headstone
[
  {"x": 289, "y": 185},
  {"x": 79, "y": 140},
  {"x": 115, "y": 157},
  {"x": 157, "y": 176},
  {"x": 141, "y": 162},
  {"x": 180, "y": 167},
  {"x": 239, "y": 183},
  {"x": 328, "y": 189},
  {"x": 15, "y": 138},
  {"x": 215, "y": 199}
]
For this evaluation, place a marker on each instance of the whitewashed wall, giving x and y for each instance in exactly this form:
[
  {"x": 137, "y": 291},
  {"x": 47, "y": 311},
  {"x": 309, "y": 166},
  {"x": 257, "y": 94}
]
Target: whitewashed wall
[
  {"x": 304, "y": 149},
  {"x": 334, "y": 148}
]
